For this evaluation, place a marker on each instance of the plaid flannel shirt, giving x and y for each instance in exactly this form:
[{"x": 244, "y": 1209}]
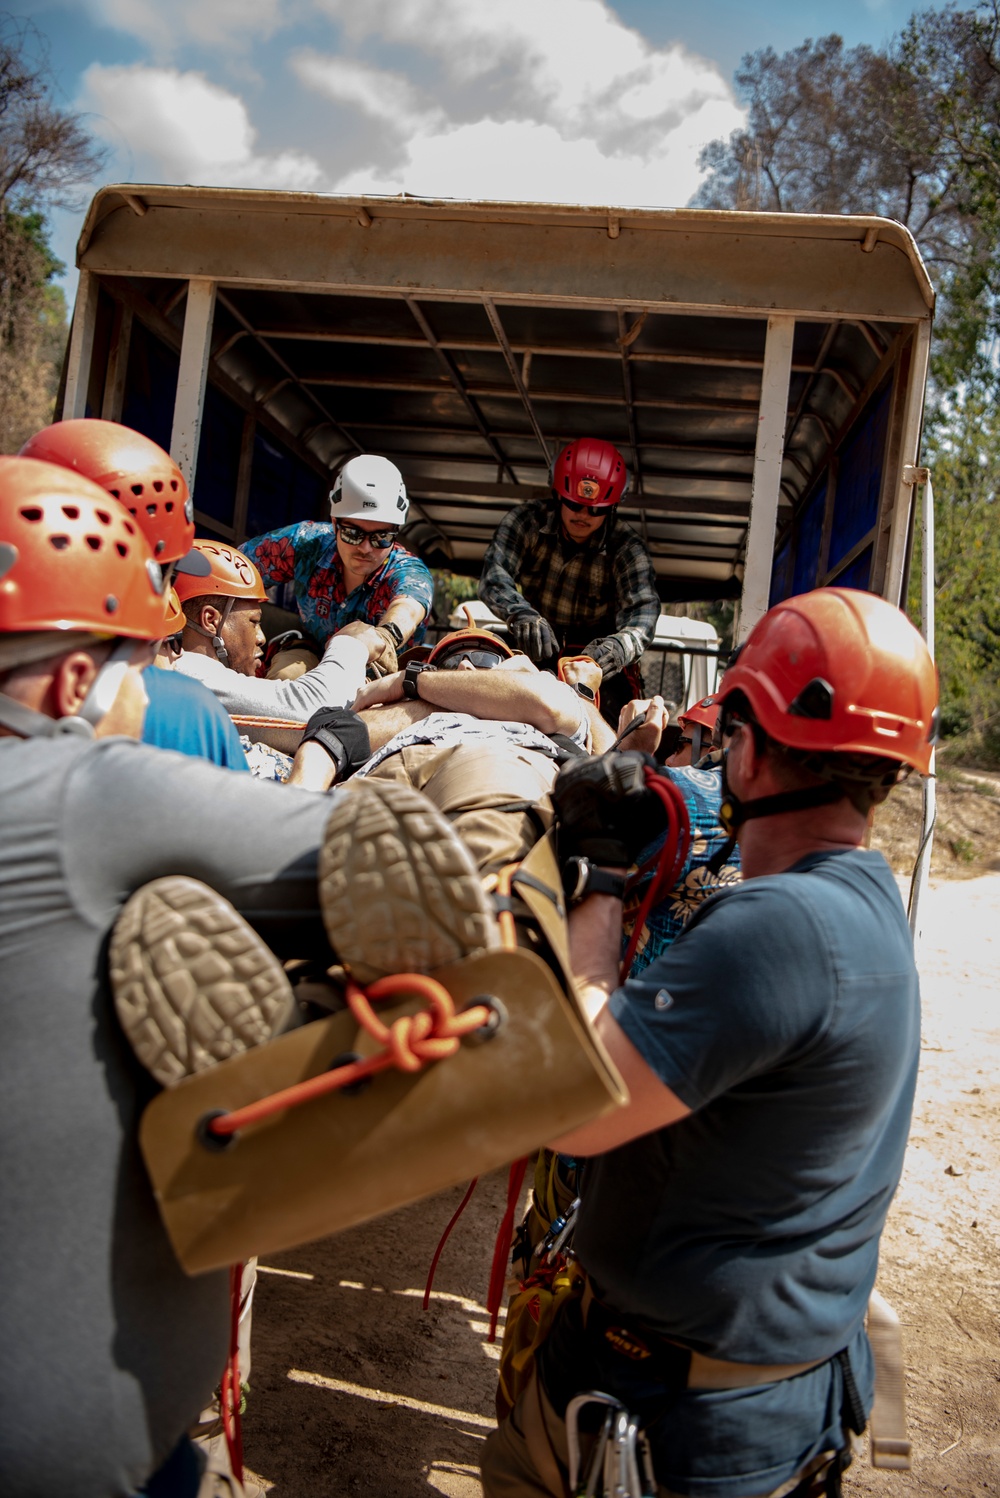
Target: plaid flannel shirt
[{"x": 591, "y": 595}]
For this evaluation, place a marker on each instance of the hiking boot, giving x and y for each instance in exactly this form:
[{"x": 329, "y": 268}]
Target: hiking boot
[
  {"x": 399, "y": 890},
  {"x": 194, "y": 984}
]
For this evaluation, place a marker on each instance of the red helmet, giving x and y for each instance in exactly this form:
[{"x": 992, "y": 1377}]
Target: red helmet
[
  {"x": 705, "y": 713},
  {"x": 133, "y": 469},
  {"x": 467, "y": 639},
  {"x": 230, "y": 574},
  {"x": 71, "y": 558},
  {"x": 590, "y": 472},
  {"x": 838, "y": 671}
]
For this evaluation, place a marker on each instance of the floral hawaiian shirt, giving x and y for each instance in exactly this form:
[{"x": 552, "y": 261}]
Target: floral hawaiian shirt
[
  {"x": 702, "y": 791},
  {"x": 305, "y": 555}
]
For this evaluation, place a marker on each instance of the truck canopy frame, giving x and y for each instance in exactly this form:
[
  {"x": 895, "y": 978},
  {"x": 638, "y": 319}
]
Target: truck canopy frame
[{"x": 763, "y": 374}]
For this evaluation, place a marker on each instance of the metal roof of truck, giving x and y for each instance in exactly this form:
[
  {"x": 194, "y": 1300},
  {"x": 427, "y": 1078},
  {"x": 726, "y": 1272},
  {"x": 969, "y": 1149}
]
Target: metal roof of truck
[{"x": 468, "y": 341}]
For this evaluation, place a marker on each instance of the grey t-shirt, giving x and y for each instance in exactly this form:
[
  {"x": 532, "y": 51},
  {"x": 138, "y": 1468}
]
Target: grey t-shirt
[
  {"x": 107, "y": 1349},
  {"x": 335, "y": 682}
]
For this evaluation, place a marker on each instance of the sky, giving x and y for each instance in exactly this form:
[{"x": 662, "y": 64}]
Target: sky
[{"x": 559, "y": 100}]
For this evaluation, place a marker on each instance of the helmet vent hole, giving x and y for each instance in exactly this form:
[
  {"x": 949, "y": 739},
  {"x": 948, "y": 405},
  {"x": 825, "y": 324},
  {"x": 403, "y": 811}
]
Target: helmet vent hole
[
  {"x": 814, "y": 701},
  {"x": 158, "y": 486},
  {"x": 173, "y": 485},
  {"x": 116, "y": 492},
  {"x": 169, "y": 506},
  {"x": 31, "y": 512},
  {"x": 95, "y": 543},
  {"x": 129, "y": 526},
  {"x": 59, "y": 542},
  {"x": 136, "y": 488},
  {"x": 151, "y": 510},
  {"x": 121, "y": 548},
  {"x": 103, "y": 517},
  {"x": 71, "y": 512}
]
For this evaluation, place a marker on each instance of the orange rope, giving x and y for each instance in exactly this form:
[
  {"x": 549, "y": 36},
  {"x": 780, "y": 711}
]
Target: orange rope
[
  {"x": 411, "y": 1041},
  {"x": 230, "y": 1390}
]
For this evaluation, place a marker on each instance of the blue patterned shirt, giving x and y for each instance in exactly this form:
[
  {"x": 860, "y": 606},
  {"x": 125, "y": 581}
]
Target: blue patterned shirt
[
  {"x": 702, "y": 791},
  {"x": 305, "y": 555}
]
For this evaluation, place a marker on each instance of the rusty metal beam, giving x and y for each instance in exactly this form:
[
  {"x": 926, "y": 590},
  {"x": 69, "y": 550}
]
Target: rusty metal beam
[{"x": 454, "y": 376}]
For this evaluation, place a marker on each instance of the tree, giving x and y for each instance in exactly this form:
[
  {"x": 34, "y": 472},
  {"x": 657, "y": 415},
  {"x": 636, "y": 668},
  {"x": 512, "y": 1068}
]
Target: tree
[{"x": 44, "y": 154}]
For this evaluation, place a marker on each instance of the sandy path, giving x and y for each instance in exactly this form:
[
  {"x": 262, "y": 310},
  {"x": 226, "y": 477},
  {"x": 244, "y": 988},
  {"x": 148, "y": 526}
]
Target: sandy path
[{"x": 356, "y": 1390}]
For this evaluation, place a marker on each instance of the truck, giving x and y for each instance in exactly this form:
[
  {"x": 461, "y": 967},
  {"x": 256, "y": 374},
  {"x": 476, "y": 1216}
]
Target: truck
[{"x": 763, "y": 374}]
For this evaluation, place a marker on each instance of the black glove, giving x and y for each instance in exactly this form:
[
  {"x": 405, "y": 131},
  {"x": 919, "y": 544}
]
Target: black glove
[
  {"x": 343, "y": 735},
  {"x": 604, "y": 809},
  {"x": 608, "y": 654},
  {"x": 533, "y": 634}
]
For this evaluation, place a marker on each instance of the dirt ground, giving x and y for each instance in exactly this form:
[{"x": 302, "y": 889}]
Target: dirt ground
[{"x": 355, "y": 1389}]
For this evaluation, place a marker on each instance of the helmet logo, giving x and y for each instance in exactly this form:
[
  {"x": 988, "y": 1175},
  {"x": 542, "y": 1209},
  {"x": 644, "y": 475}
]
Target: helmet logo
[
  {"x": 369, "y": 504},
  {"x": 588, "y": 489}
]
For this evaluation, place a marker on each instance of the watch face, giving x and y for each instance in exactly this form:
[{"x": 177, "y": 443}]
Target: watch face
[{"x": 586, "y": 692}]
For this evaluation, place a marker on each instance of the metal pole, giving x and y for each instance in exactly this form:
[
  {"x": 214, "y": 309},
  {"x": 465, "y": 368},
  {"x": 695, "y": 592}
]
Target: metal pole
[
  {"x": 81, "y": 347},
  {"x": 922, "y": 867},
  {"x": 189, "y": 405},
  {"x": 768, "y": 456}
]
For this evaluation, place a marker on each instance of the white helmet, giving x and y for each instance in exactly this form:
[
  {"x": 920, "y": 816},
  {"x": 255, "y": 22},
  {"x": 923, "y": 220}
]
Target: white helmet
[{"x": 369, "y": 488}]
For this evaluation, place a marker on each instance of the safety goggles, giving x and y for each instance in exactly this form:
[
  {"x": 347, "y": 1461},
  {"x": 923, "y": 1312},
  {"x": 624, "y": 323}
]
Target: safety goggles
[
  {"x": 483, "y": 660},
  {"x": 355, "y": 536}
]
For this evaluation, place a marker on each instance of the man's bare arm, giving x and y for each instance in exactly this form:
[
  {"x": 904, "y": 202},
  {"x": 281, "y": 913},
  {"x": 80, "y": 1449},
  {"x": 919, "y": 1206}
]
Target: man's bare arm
[{"x": 595, "y": 929}]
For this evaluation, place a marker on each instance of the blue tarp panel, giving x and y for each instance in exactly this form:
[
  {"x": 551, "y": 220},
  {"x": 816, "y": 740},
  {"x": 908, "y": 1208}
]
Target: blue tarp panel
[
  {"x": 281, "y": 489},
  {"x": 781, "y": 573},
  {"x": 859, "y": 481},
  {"x": 808, "y": 534},
  {"x": 150, "y": 386},
  {"x": 857, "y": 575},
  {"x": 218, "y": 457}
]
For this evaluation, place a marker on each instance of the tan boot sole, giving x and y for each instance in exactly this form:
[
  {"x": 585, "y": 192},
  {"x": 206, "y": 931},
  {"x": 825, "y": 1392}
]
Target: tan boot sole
[
  {"x": 399, "y": 890},
  {"x": 193, "y": 984}
]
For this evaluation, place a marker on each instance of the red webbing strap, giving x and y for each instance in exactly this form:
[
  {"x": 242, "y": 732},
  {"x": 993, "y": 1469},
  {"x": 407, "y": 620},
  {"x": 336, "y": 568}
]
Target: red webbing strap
[
  {"x": 502, "y": 1247},
  {"x": 466, "y": 1199},
  {"x": 411, "y": 1041},
  {"x": 671, "y": 859},
  {"x": 230, "y": 1392}
]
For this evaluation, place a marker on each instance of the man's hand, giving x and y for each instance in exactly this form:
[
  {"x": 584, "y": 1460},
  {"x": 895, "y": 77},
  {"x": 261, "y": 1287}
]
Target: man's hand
[
  {"x": 378, "y": 642},
  {"x": 581, "y": 672},
  {"x": 374, "y": 693},
  {"x": 604, "y": 809},
  {"x": 653, "y": 716},
  {"x": 533, "y": 634},
  {"x": 609, "y": 655}
]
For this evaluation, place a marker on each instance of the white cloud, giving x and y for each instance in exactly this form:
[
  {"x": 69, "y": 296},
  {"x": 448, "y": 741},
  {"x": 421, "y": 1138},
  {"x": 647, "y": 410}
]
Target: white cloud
[
  {"x": 558, "y": 100},
  {"x": 179, "y": 127},
  {"x": 213, "y": 22}
]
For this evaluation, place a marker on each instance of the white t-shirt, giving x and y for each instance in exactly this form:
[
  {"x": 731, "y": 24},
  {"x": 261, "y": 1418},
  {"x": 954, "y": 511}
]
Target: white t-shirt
[{"x": 446, "y": 730}]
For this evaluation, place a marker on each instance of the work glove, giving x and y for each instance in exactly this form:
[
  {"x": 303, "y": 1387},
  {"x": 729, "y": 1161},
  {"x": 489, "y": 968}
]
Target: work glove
[
  {"x": 343, "y": 735},
  {"x": 386, "y": 662},
  {"x": 604, "y": 809},
  {"x": 533, "y": 634},
  {"x": 609, "y": 655}
]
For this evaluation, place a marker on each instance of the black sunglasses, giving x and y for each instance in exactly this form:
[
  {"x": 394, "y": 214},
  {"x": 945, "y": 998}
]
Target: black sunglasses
[
  {"x": 483, "y": 660},
  {"x": 579, "y": 509},
  {"x": 355, "y": 536}
]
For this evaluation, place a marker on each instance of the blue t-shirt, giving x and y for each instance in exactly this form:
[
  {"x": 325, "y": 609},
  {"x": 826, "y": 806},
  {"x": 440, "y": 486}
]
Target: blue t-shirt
[
  {"x": 786, "y": 1016},
  {"x": 305, "y": 555},
  {"x": 184, "y": 715}
]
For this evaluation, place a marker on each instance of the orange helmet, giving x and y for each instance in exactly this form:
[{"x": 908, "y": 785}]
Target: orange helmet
[
  {"x": 705, "y": 713},
  {"x": 176, "y": 619},
  {"x": 129, "y": 466},
  {"x": 71, "y": 558},
  {"x": 230, "y": 574},
  {"x": 840, "y": 672},
  {"x": 470, "y": 641},
  {"x": 590, "y": 472}
]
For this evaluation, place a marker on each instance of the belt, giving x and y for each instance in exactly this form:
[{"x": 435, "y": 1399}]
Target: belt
[{"x": 705, "y": 1372}]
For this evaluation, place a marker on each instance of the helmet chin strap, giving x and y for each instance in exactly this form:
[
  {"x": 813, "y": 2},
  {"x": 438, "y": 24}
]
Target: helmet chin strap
[
  {"x": 733, "y": 812},
  {"x": 222, "y": 654},
  {"x": 100, "y": 699}
]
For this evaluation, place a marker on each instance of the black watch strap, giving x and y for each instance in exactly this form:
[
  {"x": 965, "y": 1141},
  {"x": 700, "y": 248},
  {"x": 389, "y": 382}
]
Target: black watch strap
[
  {"x": 582, "y": 878},
  {"x": 395, "y": 631},
  {"x": 412, "y": 675}
]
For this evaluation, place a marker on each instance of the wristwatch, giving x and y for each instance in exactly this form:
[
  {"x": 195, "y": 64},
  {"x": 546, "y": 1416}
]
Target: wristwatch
[
  {"x": 587, "y": 693},
  {"x": 394, "y": 631},
  {"x": 581, "y": 878},
  {"x": 412, "y": 675}
]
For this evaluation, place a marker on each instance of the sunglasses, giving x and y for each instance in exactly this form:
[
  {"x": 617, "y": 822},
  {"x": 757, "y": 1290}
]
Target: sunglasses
[
  {"x": 355, "y": 536},
  {"x": 579, "y": 509},
  {"x": 483, "y": 660}
]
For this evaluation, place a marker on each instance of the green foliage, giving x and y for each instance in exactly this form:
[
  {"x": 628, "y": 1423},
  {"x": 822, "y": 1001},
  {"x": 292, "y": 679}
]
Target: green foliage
[{"x": 450, "y": 589}]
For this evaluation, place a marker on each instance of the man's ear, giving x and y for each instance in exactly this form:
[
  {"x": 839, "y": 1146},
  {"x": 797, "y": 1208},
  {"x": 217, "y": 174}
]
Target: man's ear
[
  {"x": 71, "y": 681},
  {"x": 210, "y": 619}
]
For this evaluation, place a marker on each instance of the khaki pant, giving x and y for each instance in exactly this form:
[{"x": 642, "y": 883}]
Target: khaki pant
[{"x": 470, "y": 783}]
